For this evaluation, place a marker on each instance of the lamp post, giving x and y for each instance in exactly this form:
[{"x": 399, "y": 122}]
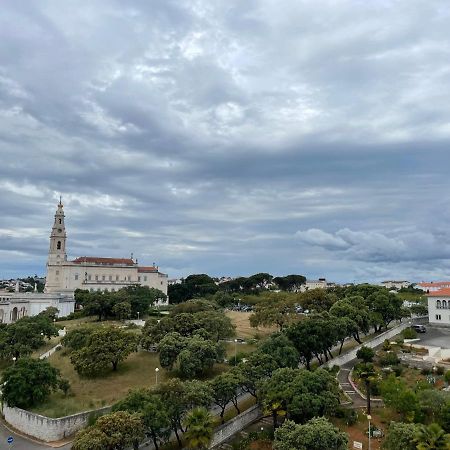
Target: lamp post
[
  {"x": 14, "y": 359},
  {"x": 369, "y": 418},
  {"x": 235, "y": 351},
  {"x": 156, "y": 374},
  {"x": 138, "y": 314}
]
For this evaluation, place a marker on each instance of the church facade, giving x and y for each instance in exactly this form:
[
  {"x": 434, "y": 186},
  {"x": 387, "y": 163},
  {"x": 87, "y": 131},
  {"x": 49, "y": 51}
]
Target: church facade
[
  {"x": 91, "y": 272},
  {"x": 87, "y": 272}
]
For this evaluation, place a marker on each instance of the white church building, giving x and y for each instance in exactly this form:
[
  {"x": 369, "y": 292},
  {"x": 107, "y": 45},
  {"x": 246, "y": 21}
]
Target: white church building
[
  {"x": 91, "y": 272},
  {"x": 86, "y": 272}
]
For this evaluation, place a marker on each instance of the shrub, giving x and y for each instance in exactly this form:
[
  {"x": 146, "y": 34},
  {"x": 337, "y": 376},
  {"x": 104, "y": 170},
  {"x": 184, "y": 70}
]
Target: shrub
[
  {"x": 409, "y": 333},
  {"x": 447, "y": 376},
  {"x": 426, "y": 371},
  {"x": 389, "y": 359},
  {"x": 398, "y": 370},
  {"x": 366, "y": 354},
  {"x": 386, "y": 345},
  {"x": 440, "y": 370}
]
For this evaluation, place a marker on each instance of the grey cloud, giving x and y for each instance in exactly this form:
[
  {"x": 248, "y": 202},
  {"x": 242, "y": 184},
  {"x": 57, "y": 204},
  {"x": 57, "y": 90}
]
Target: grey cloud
[{"x": 204, "y": 135}]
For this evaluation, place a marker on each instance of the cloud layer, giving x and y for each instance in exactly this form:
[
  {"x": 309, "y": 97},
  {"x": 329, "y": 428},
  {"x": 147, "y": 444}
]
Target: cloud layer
[{"x": 228, "y": 137}]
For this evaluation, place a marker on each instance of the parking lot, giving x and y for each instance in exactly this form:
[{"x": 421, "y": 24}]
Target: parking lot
[{"x": 436, "y": 337}]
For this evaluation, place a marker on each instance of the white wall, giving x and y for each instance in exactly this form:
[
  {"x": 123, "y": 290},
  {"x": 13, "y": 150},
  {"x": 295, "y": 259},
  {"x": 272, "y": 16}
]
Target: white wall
[{"x": 45, "y": 428}]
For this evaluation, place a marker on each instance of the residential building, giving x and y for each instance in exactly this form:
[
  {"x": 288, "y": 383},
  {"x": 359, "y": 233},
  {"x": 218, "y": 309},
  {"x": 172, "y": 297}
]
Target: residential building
[
  {"x": 433, "y": 286},
  {"x": 439, "y": 307},
  {"x": 397, "y": 285}
]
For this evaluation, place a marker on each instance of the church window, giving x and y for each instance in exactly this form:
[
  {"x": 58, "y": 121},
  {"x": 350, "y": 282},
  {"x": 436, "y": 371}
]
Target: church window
[
  {"x": 103, "y": 277},
  {"x": 117, "y": 277},
  {"x": 444, "y": 304},
  {"x": 139, "y": 278},
  {"x": 57, "y": 272},
  {"x": 129, "y": 278},
  {"x": 60, "y": 221},
  {"x": 96, "y": 277},
  {"x": 58, "y": 245},
  {"x": 161, "y": 283},
  {"x": 438, "y": 304},
  {"x": 89, "y": 277},
  {"x": 438, "y": 317},
  {"x": 145, "y": 278},
  {"x": 76, "y": 276},
  {"x": 110, "y": 278}
]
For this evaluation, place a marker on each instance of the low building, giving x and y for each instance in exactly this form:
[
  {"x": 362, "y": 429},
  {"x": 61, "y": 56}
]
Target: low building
[
  {"x": 15, "y": 305},
  {"x": 393, "y": 284},
  {"x": 321, "y": 283},
  {"x": 439, "y": 307},
  {"x": 433, "y": 286}
]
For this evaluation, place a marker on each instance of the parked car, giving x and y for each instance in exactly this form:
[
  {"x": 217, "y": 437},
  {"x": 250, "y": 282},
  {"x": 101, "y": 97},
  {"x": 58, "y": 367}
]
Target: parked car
[{"x": 419, "y": 328}]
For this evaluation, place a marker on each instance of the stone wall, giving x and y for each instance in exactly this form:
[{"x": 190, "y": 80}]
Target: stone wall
[
  {"x": 46, "y": 428},
  {"x": 235, "y": 425}
]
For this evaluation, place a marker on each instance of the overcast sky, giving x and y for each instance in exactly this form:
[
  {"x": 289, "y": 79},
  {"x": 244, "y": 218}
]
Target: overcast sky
[{"x": 229, "y": 137}]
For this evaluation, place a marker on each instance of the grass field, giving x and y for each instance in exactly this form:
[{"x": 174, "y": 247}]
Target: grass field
[
  {"x": 243, "y": 328},
  {"x": 90, "y": 393}
]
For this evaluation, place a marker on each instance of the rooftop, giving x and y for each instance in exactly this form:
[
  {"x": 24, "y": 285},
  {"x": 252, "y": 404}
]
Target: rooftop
[
  {"x": 104, "y": 261},
  {"x": 441, "y": 293}
]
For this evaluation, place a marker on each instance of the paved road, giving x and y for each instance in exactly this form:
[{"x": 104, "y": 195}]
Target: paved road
[
  {"x": 435, "y": 337},
  {"x": 21, "y": 443}
]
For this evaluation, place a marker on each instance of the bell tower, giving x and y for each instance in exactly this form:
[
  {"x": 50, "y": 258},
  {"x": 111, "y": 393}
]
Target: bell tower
[
  {"x": 57, "y": 252},
  {"x": 57, "y": 255}
]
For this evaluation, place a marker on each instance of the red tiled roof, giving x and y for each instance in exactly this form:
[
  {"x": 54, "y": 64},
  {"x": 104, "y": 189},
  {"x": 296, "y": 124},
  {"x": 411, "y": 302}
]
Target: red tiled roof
[
  {"x": 441, "y": 293},
  {"x": 106, "y": 261},
  {"x": 435, "y": 284},
  {"x": 147, "y": 269}
]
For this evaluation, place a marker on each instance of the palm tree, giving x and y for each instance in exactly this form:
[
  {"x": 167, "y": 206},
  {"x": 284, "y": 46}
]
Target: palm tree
[
  {"x": 199, "y": 428},
  {"x": 432, "y": 437}
]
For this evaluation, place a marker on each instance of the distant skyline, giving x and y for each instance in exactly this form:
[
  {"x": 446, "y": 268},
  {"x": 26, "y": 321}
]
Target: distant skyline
[{"x": 229, "y": 137}]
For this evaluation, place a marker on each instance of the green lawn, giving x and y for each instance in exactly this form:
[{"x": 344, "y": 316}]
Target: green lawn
[{"x": 91, "y": 393}]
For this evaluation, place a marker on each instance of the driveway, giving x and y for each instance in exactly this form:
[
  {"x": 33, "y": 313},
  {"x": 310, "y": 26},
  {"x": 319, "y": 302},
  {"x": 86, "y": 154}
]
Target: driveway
[{"x": 435, "y": 337}]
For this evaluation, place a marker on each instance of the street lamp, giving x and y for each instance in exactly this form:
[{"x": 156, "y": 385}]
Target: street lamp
[
  {"x": 156, "y": 374},
  {"x": 138, "y": 314},
  {"x": 14, "y": 359},
  {"x": 369, "y": 418},
  {"x": 235, "y": 351}
]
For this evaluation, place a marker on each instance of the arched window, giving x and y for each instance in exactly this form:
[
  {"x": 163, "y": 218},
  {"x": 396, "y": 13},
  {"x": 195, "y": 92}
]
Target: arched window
[
  {"x": 444, "y": 304},
  {"x": 58, "y": 245},
  {"x": 438, "y": 304}
]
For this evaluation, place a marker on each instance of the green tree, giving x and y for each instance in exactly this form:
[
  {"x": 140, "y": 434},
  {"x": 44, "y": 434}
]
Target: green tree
[
  {"x": 385, "y": 308},
  {"x": 25, "y": 335},
  {"x": 354, "y": 309},
  {"x": 365, "y": 354},
  {"x": 77, "y": 338},
  {"x": 199, "y": 357},
  {"x": 140, "y": 298},
  {"x": 259, "y": 366},
  {"x": 290, "y": 283},
  {"x": 269, "y": 312},
  {"x": 432, "y": 437},
  {"x": 116, "y": 431},
  {"x": 181, "y": 396},
  {"x": 281, "y": 349},
  {"x": 225, "y": 390},
  {"x": 169, "y": 348},
  {"x": 106, "y": 346},
  {"x": 315, "y": 394},
  {"x": 152, "y": 411},
  {"x": 317, "y": 300},
  {"x": 29, "y": 382},
  {"x": 400, "y": 436},
  {"x": 397, "y": 395},
  {"x": 433, "y": 403},
  {"x": 122, "y": 310},
  {"x": 199, "y": 428},
  {"x": 317, "y": 434}
]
